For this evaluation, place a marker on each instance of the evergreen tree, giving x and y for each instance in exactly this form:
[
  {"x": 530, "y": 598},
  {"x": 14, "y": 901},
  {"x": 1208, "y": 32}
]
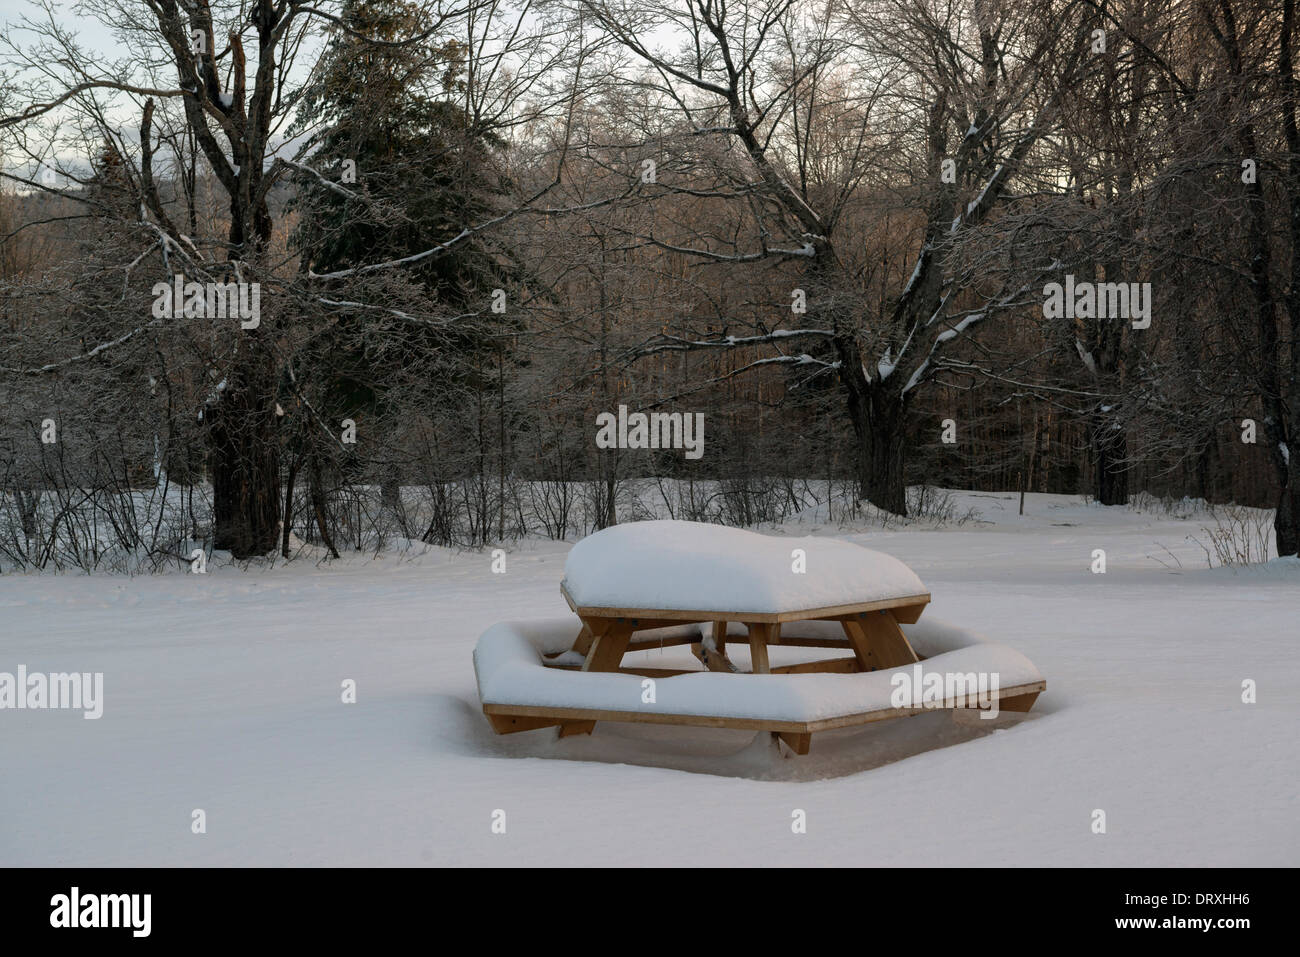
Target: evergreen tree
[{"x": 384, "y": 122}]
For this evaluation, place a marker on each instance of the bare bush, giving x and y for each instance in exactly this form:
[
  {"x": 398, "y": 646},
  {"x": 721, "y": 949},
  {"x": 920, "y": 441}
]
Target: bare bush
[{"x": 1240, "y": 536}]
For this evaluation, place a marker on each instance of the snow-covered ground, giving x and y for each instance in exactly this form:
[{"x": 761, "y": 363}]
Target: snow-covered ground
[{"x": 222, "y": 692}]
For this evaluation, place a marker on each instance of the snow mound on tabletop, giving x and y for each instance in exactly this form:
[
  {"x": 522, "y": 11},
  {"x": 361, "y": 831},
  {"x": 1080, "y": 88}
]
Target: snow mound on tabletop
[{"x": 691, "y": 566}]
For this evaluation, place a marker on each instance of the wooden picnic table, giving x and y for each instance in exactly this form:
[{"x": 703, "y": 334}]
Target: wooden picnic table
[{"x": 871, "y": 632}]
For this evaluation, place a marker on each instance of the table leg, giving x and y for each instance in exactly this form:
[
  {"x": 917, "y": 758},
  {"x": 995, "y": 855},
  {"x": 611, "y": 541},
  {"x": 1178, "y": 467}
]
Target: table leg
[
  {"x": 720, "y": 643},
  {"x": 759, "y": 635},
  {"x": 608, "y": 642},
  {"x": 582, "y": 644},
  {"x": 876, "y": 638},
  {"x": 861, "y": 647},
  {"x": 607, "y": 646},
  {"x": 719, "y": 632}
]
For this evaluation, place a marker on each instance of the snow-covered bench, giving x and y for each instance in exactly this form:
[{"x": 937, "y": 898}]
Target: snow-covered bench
[
  {"x": 522, "y": 690},
  {"x": 657, "y": 584}
]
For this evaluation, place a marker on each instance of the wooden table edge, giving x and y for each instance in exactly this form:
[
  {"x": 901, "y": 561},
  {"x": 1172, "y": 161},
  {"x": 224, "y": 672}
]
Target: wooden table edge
[{"x": 918, "y": 601}]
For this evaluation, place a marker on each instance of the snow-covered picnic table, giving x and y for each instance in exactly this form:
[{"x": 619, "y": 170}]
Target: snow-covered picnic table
[
  {"x": 648, "y": 575},
  {"x": 651, "y": 585}
]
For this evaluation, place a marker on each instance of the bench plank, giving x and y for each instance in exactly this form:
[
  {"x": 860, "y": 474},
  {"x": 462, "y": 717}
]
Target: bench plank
[{"x": 565, "y": 715}]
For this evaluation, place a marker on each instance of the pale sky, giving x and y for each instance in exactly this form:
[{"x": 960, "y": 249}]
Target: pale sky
[{"x": 93, "y": 34}]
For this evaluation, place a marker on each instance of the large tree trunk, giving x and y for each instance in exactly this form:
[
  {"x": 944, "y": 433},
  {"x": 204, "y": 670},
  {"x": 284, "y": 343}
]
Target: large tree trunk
[
  {"x": 245, "y": 460},
  {"x": 878, "y": 411},
  {"x": 28, "y": 505},
  {"x": 1286, "y": 524},
  {"x": 319, "y": 506},
  {"x": 878, "y": 425},
  {"x": 286, "y": 524},
  {"x": 611, "y": 502},
  {"x": 1109, "y": 450},
  {"x": 245, "y": 451}
]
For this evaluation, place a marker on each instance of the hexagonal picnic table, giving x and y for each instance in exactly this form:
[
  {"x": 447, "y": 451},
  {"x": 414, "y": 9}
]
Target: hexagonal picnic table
[{"x": 663, "y": 575}]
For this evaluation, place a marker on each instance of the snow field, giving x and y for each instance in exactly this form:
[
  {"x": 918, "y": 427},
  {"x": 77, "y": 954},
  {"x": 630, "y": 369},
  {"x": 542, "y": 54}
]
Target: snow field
[{"x": 222, "y": 693}]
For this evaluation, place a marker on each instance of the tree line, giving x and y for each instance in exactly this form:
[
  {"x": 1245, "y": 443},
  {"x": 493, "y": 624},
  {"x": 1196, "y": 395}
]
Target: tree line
[{"x": 1047, "y": 245}]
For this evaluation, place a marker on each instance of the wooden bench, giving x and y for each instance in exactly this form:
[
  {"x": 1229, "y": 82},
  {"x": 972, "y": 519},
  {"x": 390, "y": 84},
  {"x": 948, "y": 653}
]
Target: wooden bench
[{"x": 534, "y": 695}]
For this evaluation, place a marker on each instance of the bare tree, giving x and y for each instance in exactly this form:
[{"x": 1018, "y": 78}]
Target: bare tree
[
  {"x": 813, "y": 109},
  {"x": 215, "y": 84}
]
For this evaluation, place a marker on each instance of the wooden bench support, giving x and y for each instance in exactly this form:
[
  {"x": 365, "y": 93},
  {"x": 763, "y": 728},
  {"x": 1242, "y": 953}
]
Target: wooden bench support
[
  {"x": 509, "y": 724},
  {"x": 1020, "y": 702},
  {"x": 570, "y": 728},
  {"x": 784, "y": 640},
  {"x": 712, "y": 660},
  {"x": 715, "y": 658},
  {"x": 798, "y": 743},
  {"x": 844, "y": 666}
]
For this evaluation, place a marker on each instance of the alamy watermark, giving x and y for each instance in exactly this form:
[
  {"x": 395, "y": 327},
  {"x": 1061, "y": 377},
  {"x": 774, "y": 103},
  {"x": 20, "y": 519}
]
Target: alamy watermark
[
  {"x": 209, "y": 300},
  {"x": 918, "y": 688},
  {"x": 75, "y": 909},
  {"x": 1098, "y": 300},
  {"x": 73, "y": 691},
  {"x": 654, "y": 430}
]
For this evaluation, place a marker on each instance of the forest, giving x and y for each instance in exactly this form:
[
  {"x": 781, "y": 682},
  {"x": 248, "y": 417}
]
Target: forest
[{"x": 368, "y": 272}]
